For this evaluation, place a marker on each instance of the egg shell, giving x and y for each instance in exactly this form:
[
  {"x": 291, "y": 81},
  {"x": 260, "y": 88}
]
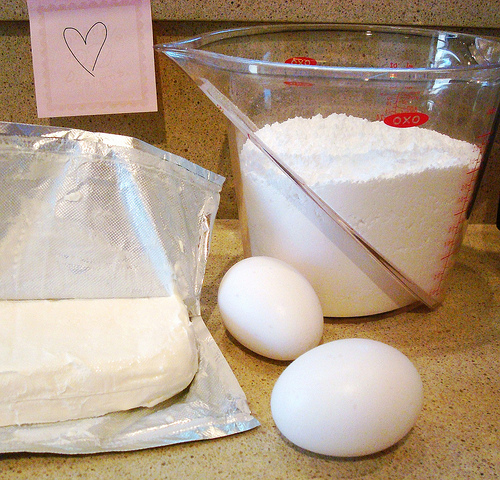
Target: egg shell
[
  {"x": 347, "y": 398},
  {"x": 270, "y": 308}
]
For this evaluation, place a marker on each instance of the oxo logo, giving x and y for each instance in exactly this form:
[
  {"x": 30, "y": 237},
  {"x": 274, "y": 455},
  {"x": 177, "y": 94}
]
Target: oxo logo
[{"x": 405, "y": 120}]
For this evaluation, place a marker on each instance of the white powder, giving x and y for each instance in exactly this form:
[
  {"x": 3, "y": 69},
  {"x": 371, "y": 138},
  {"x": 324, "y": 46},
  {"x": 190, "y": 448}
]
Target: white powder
[{"x": 399, "y": 188}]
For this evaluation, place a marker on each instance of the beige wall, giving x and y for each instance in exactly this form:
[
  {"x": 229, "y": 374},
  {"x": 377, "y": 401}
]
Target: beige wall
[{"x": 187, "y": 123}]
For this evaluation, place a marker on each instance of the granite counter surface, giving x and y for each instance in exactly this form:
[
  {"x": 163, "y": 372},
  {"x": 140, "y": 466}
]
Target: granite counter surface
[
  {"x": 456, "y": 349},
  {"x": 460, "y": 13}
]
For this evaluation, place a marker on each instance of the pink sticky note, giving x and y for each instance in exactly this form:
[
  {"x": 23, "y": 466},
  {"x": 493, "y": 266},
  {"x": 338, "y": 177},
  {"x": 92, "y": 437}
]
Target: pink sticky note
[{"x": 92, "y": 57}]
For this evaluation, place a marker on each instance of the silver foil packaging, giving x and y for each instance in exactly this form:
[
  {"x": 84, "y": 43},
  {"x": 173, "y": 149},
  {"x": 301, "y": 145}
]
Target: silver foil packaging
[{"x": 93, "y": 215}]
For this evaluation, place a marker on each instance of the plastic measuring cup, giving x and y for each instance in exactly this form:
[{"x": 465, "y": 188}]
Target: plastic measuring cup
[{"x": 416, "y": 112}]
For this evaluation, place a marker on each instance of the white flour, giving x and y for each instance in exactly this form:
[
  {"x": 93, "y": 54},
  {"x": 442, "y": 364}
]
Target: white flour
[{"x": 398, "y": 187}]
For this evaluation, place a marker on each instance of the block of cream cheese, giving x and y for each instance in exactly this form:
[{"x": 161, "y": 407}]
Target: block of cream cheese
[{"x": 77, "y": 358}]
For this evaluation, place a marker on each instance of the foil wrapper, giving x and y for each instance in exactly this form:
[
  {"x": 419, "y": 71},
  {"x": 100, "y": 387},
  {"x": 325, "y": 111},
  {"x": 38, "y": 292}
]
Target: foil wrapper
[{"x": 94, "y": 215}]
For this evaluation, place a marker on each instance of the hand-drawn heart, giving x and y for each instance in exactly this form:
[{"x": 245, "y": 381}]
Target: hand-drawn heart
[{"x": 86, "y": 49}]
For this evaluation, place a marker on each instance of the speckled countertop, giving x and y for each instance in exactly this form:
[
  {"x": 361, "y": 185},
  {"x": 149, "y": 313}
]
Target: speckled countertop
[
  {"x": 456, "y": 349},
  {"x": 466, "y": 13}
]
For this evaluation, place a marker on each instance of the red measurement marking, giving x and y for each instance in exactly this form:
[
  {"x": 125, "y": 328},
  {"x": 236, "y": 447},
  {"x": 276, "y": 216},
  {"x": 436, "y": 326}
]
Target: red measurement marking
[
  {"x": 435, "y": 293},
  {"x": 448, "y": 255},
  {"x": 438, "y": 276},
  {"x": 301, "y": 61},
  {"x": 450, "y": 245},
  {"x": 487, "y": 134},
  {"x": 298, "y": 84},
  {"x": 405, "y": 120},
  {"x": 450, "y": 242},
  {"x": 401, "y": 65}
]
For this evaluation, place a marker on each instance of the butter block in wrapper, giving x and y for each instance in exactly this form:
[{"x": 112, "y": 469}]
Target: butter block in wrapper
[{"x": 91, "y": 215}]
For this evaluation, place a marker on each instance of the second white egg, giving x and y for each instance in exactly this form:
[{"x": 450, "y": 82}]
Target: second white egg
[
  {"x": 348, "y": 398},
  {"x": 270, "y": 308}
]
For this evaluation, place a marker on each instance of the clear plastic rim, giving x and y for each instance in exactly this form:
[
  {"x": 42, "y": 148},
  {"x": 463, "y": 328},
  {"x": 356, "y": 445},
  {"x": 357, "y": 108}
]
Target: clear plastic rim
[{"x": 191, "y": 48}]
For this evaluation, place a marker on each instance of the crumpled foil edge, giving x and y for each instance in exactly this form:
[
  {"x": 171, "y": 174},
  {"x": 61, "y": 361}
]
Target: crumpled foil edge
[{"x": 107, "y": 140}]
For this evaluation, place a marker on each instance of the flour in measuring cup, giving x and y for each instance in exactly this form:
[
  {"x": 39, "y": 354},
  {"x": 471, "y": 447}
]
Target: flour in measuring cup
[{"x": 397, "y": 187}]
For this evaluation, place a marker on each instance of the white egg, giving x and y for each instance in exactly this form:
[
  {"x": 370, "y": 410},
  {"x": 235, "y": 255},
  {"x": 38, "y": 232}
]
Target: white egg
[
  {"x": 270, "y": 308},
  {"x": 347, "y": 398}
]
